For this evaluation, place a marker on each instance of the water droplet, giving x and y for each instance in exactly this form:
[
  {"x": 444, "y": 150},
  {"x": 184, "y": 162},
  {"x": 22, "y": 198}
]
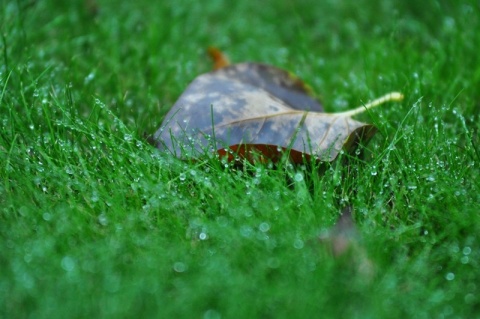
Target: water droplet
[
  {"x": 264, "y": 227},
  {"x": 464, "y": 260},
  {"x": 31, "y": 126},
  {"x": 182, "y": 177},
  {"x": 298, "y": 177},
  {"x": 246, "y": 231},
  {"x": 207, "y": 183},
  {"x": 67, "y": 263},
  {"x": 128, "y": 137},
  {"x": 179, "y": 267},
  {"x": 467, "y": 250},
  {"x": 89, "y": 77},
  {"x": 298, "y": 243},
  {"x": 412, "y": 187},
  {"x": 102, "y": 219},
  {"x": 212, "y": 314},
  {"x": 47, "y": 216},
  {"x": 203, "y": 236},
  {"x": 450, "y": 276}
]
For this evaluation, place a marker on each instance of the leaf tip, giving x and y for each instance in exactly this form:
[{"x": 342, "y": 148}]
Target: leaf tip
[
  {"x": 220, "y": 59},
  {"x": 395, "y": 96}
]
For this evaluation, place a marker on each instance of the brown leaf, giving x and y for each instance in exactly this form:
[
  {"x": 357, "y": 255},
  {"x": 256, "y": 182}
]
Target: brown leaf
[{"x": 253, "y": 108}]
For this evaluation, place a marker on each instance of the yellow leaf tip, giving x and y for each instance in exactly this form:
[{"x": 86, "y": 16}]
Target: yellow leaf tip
[{"x": 396, "y": 96}]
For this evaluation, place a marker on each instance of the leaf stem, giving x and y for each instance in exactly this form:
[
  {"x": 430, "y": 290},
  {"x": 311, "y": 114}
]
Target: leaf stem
[{"x": 390, "y": 97}]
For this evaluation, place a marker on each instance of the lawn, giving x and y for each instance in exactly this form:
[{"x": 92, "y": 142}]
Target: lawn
[{"x": 97, "y": 223}]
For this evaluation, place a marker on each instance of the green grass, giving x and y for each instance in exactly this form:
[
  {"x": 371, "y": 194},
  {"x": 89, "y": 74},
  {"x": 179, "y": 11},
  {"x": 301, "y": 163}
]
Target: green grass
[{"x": 96, "y": 223}]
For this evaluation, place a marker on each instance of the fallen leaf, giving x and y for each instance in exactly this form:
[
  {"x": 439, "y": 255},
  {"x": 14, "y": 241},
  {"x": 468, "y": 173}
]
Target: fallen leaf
[{"x": 258, "y": 112}]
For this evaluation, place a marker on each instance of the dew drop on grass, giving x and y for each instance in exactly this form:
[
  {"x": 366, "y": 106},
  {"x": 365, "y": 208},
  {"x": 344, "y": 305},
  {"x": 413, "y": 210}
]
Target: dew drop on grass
[
  {"x": 89, "y": 77},
  {"x": 179, "y": 267},
  {"x": 203, "y": 236},
  {"x": 298, "y": 177},
  {"x": 102, "y": 219},
  {"x": 264, "y": 227},
  {"x": 273, "y": 263},
  {"x": 212, "y": 314},
  {"x": 69, "y": 170},
  {"x": 182, "y": 176},
  {"x": 464, "y": 260},
  {"x": 67, "y": 263},
  {"x": 94, "y": 197},
  {"x": 467, "y": 250},
  {"x": 450, "y": 276},
  {"x": 207, "y": 183},
  {"x": 47, "y": 216},
  {"x": 298, "y": 243},
  {"x": 246, "y": 231}
]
